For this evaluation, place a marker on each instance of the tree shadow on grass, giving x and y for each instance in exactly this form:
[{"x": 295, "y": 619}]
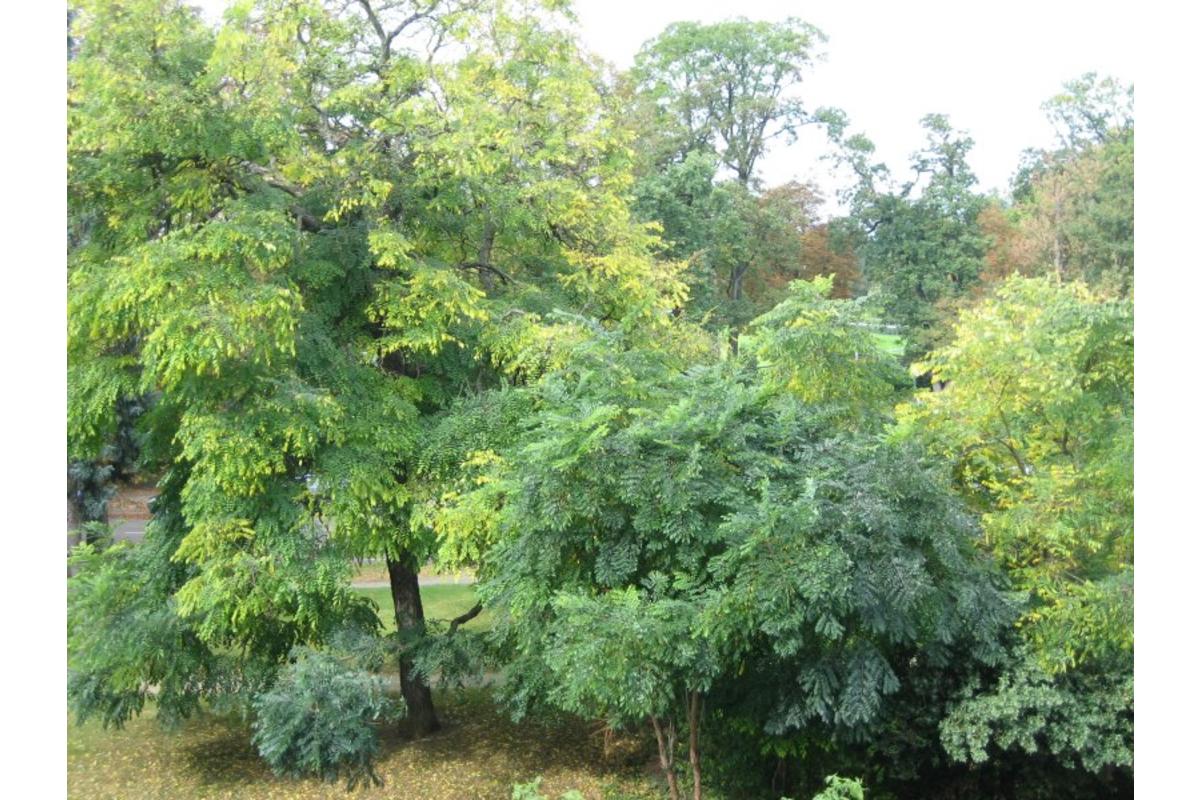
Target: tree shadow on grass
[
  {"x": 220, "y": 753},
  {"x": 479, "y": 753}
]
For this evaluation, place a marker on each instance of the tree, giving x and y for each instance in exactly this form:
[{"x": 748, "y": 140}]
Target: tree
[
  {"x": 1037, "y": 421},
  {"x": 1091, "y": 111},
  {"x": 743, "y": 247},
  {"x": 716, "y": 96},
  {"x": 660, "y": 534},
  {"x": 922, "y": 251},
  {"x": 1074, "y": 205},
  {"x": 303, "y": 236},
  {"x": 728, "y": 87}
]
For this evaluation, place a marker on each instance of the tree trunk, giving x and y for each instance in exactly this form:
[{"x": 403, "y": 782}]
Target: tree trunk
[
  {"x": 666, "y": 754},
  {"x": 410, "y": 619},
  {"x": 694, "y": 742},
  {"x": 485, "y": 255},
  {"x": 735, "y": 282},
  {"x": 73, "y": 518}
]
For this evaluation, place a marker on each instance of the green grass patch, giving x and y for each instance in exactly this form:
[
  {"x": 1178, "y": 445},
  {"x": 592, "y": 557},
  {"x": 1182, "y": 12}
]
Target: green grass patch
[
  {"x": 480, "y": 753},
  {"x": 441, "y": 601},
  {"x": 890, "y": 343},
  {"x": 376, "y": 572}
]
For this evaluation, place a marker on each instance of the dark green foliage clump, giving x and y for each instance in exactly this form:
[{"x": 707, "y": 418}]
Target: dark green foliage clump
[
  {"x": 1084, "y": 721},
  {"x": 318, "y": 719}
]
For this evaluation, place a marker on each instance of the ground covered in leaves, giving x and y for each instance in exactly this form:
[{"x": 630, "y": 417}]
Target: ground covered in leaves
[{"x": 479, "y": 754}]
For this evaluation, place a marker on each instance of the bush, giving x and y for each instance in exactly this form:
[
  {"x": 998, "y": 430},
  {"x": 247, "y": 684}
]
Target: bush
[
  {"x": 839, "y": 788},
  {"x": 532, "y": 791},
  {"x": 317, "y": 719}
]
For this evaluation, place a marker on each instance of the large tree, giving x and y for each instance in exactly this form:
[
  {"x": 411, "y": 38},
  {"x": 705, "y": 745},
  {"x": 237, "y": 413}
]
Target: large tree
[
  {"x": 728, "y": 87},
  {"x": 708, "y": 99},
  {"x": 661, "y": 534},
  {"x": 302, "y": 235},
  {"x": 921, "y": 242},
  {"x": 1037, "y": 423},
  {"x": 1072, "y": 210}
]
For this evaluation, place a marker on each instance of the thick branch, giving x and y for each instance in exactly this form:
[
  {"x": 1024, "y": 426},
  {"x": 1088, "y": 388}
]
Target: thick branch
[
  {"x": 466, "y": 616},
  {"x": 486, "y": 268},
  {"x": 694, "y": 743},
  {"x": 273, "y": 180},
  {"x": 308, "y": 222}
]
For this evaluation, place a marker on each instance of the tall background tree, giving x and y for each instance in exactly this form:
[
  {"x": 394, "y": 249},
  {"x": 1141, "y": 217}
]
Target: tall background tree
[
  {"x": 715, "y": 98},
  {"x": 921, "y": 243}
]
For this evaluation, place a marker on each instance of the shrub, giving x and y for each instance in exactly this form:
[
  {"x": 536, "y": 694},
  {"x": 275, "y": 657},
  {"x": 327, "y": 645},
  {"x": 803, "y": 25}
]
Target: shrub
[
  {"x": 532, "y": 791},
  {"x": 317, "y": 719},
  {"x": 839, "y": 788}
]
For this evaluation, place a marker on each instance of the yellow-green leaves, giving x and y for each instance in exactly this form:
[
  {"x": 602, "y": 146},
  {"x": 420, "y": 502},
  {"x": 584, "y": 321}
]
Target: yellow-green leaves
[
  {"x": 422, "y": 313},
  {"x": 1037, "y": 420},
  {"x": 822, "y": 351}
]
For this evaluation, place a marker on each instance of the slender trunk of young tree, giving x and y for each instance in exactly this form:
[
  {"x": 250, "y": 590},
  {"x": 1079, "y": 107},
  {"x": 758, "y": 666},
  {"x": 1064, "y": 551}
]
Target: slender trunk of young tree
[
  {"x": 487, "y": 241},
  {"x": 735, "y": 281},
  {"x": 666, "y": 753},
  {"x": 694, "y": 742},
  {"x": 421, "y": 718},
  {"x": 74, "y": 517}
]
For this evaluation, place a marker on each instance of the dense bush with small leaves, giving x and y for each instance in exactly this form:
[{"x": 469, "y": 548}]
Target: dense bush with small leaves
[{"x": 318, "y": 718}]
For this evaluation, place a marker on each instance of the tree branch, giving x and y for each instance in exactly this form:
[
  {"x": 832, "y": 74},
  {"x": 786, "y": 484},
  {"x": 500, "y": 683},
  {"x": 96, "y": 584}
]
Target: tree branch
[
  {"x": 308, "y": 222},
  {"x": 466, "y": 616},
  {"x": 479, "y": 265}
]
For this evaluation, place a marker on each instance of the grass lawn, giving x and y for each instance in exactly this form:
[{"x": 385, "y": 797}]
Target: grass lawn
[
  {"x": 442, "y": 601},
  {"x": 376, "y": 572},
  {"x": 479, "y": 753},
  {"x": 890, "y": 343}
]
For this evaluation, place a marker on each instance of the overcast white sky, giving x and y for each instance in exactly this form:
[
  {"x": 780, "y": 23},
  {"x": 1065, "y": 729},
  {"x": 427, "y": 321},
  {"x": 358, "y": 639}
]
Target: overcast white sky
[{"x": 988, "y": 65}]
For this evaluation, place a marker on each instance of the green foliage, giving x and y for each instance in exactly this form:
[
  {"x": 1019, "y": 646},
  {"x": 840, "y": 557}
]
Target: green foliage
[
  {"x": 922, "y": 250},
  {"x": 667, "y": 533},
  {"x": 124, "y": 636},
  {"x": 839, "y": 788},
  {"x": 1091, "y": 109},
  {"x": 1037, "y": 421},
  {"x": 1038, "y": 418},
  {"x": 1073, "y": 209},
  {"x": 821, "y": 350},
  {"x": 316, "y": 719},
  {"x": 621, "y": 655},
  {"x": 531, "y": 791},
  {"x": 727, "y": 87},
  {"x": 410, "y": 280},
  {"x": 304, "y": 238},
  {"x": 1084, "y": 720}
]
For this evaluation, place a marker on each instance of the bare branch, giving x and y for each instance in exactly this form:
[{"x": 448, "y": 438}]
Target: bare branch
[
  {"x": 479, "y": 265},
  {"x": 466, "y": 616}
]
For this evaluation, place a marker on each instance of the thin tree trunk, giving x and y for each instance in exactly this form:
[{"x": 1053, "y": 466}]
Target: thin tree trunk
[
  {"x": 666, "y": 754},
  {"x": 1058, "y": 258},
  {"x": 694, "y": 742},
  {"x": 485, "y": 255},
  {"x": 73, "y": 518},
  {"x": 410, "y": 619},
  {"x": 735, "y": 282}
]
